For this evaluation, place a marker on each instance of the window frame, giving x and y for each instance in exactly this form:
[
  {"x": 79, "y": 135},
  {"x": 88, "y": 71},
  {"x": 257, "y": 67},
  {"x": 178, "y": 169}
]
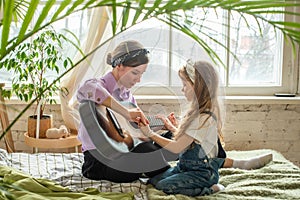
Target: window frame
[{"x": 290, "y": 81}]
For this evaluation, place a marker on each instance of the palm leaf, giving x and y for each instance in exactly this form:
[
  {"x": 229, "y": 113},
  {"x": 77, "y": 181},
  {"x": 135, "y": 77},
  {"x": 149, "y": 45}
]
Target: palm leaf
[
  {"x": 61, "y": 8},
  {"x": 28, "y": 17},
  {"x": 151, "y": 9},
  {"x": 138, "y": 12},
  {"x": 186, "y": 30},
  {"x": 44, "y": 14},
  {"x": 125, "y": 15},
  {"x": 8, "y": 10},
  {"x": 114, "y": 17},
  {"x": 40, "y": 24},
  {"x": 19, "y": 9},
  {"x": 75, "y": 5}
]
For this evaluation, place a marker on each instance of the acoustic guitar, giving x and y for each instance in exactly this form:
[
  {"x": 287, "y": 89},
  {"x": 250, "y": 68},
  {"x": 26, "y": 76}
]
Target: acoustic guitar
[
  {"x": 119, "y": 128},
  {"x": 114, "y": 154}
]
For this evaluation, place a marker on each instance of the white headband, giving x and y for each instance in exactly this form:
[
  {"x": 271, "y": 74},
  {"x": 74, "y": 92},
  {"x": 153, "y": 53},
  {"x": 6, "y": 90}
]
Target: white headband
[{"x": 190, "y": 70}]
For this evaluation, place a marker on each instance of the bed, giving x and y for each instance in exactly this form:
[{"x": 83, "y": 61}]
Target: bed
[{"x": 60, "y": 176}]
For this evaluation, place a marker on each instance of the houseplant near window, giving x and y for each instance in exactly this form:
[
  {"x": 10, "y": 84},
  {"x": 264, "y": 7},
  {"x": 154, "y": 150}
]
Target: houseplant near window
[{"x": 34, "y": 63}]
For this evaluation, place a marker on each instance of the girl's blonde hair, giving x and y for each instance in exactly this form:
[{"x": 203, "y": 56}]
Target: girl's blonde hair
[{"x": 205, "y": 80}]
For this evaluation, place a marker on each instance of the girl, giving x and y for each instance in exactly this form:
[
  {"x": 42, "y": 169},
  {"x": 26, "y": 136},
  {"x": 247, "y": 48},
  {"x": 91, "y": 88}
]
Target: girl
[{"x": 197, "y": 137}]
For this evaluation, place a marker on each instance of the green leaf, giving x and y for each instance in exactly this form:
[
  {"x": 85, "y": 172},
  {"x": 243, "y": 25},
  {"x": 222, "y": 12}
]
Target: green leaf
[
  {"x": 139, "y": 11},
  {"x": 25, "y": 96},
  {"x": 77, "y": 46},
  {"x": 114, "y": 17},
  {"x": 150, "y": 11},
  {"x": 62, "y": 6},
  {"x": 125, "y": 15},
  {"x": 287, "y": 24},
  {"x": 65, "y": 64},
  {"x": 44, "y": 14},
  {"x": 75, "y": 5},
  {"x": 20, "y": 9},
  {"x": 28, "y": 17},
  {"x": 6, "y": 25}
]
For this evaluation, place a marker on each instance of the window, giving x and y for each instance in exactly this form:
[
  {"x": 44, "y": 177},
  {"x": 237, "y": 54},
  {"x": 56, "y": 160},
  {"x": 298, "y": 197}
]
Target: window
[
  {"x": 259, "y": 57},
  {"x": 262, "y": 68}
]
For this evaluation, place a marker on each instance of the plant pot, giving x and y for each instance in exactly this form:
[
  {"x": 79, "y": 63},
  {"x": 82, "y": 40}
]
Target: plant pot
[{"x": 45, "y": 124}]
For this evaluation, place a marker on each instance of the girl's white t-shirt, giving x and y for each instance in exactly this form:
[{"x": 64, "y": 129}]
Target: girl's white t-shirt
[{"x": 205, "y": 134}]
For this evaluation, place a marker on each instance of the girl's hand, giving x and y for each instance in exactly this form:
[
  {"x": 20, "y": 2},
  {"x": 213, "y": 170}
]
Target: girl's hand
[
  {"x": 145, "y": 129},
  {"x": 168, "y": 123},
  {"x": 173, "y": 119}
]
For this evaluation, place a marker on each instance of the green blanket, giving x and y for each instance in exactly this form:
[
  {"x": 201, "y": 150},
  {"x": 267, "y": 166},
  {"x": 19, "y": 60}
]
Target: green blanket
[
  {"x": 280, "y": 179},
  {"x": 43, "y": 189}
]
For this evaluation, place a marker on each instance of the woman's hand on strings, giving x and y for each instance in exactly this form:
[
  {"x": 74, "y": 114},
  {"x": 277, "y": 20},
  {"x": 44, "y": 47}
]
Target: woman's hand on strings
[{"x": 136, "y": 115}]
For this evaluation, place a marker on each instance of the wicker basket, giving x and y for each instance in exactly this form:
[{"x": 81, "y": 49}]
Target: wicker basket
[{"x": 45, "y": 124}]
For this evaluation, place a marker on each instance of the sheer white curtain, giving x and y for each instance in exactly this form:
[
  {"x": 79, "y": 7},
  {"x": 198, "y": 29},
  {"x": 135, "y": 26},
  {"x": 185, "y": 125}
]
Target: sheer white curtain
[{"x": 97, "y": 29}]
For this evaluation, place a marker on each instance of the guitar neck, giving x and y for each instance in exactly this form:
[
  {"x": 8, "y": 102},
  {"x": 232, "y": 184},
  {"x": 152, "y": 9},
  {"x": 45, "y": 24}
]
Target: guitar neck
[{"x": 154, "y": 123}]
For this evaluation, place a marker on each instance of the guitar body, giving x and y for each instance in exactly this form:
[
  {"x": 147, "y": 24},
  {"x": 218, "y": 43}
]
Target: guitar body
[{"x": 107, "y": 124}]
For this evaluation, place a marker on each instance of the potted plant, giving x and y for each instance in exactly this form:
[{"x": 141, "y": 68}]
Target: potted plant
[{"x": 36, "y": 65}]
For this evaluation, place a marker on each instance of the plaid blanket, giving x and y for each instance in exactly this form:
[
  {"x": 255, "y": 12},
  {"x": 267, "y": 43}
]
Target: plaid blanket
[{"x": 65, "y": 169}]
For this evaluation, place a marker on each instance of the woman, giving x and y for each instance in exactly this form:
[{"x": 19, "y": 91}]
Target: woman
[{"x": 129, "y": 61}]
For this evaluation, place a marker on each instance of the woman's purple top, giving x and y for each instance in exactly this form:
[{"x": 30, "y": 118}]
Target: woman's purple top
[{"x": 97, "y": 90}]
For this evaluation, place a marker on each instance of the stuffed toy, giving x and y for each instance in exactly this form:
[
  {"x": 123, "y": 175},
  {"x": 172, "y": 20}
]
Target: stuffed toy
[{"x": 55, "y": 133}]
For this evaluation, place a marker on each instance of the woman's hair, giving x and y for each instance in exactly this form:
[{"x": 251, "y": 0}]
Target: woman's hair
[
  {"x": 129, "y": 53},
  {"x": 205, "y": 80}
]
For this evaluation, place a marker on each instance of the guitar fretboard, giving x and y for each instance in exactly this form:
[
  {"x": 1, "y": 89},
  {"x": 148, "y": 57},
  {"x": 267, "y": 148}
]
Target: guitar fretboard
[{"x": 155, "y": 122}]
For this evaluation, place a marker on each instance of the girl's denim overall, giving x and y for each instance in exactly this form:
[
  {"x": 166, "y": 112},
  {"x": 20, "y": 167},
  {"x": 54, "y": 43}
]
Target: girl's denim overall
[{"x": 194, "y": 174}]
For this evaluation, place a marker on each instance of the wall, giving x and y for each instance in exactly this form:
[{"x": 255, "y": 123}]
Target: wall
[
  {"x": 250, "y": 124},
  {"x": 266, "y": 126}
]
